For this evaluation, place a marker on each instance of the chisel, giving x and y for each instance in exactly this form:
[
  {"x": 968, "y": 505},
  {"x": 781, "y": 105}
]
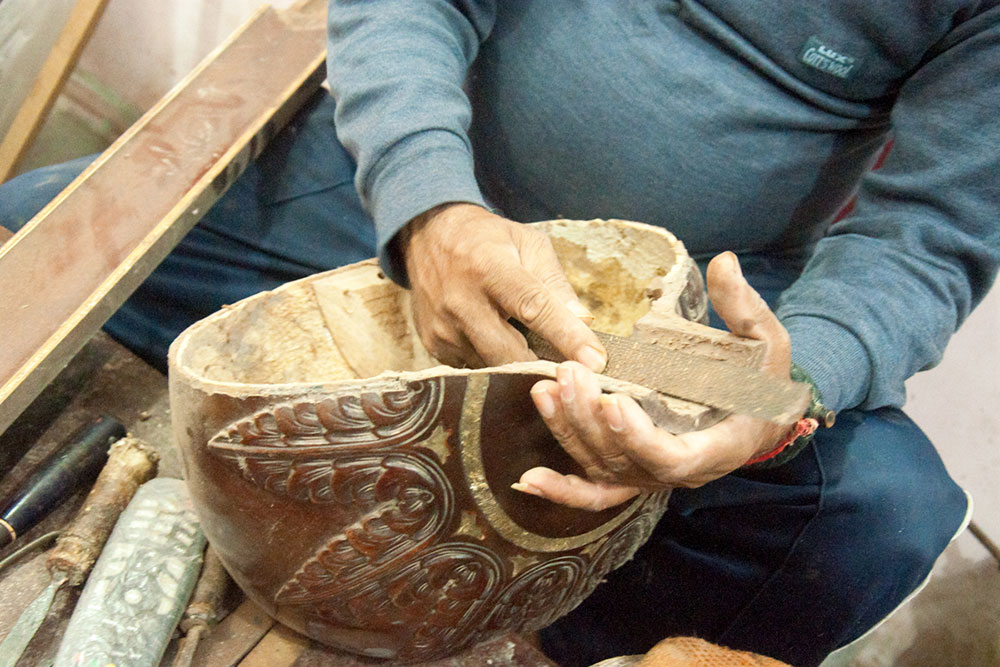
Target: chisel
[
  {"x": 76, "y": 463},
  {"x": 130, "y": 463}
]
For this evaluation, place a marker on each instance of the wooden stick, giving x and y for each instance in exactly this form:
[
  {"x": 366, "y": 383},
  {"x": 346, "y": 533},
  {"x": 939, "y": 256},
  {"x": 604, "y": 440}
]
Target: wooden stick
[
  {"x": 75, "y": 262},
  {"x": 48, "y": 84}
]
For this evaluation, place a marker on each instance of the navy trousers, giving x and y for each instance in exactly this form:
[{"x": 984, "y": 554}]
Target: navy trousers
[{"x": 791, "y": 562}]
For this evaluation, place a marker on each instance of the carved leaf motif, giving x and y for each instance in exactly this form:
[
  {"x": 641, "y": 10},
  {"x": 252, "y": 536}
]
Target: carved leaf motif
[
  {"x": 407, "y": 504},
  {"x": 378, "y": 417}
]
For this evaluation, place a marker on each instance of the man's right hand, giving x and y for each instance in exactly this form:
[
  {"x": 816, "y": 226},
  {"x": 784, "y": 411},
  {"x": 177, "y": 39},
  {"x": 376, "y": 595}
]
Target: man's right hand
[{"x": 470, "y": 271}]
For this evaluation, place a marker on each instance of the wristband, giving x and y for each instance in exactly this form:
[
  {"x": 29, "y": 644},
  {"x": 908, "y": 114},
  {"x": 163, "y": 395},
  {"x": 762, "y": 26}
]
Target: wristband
[{"x": 801, "y": 433}]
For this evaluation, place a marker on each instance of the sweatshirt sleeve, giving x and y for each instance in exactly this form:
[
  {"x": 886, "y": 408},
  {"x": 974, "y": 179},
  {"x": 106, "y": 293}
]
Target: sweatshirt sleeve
[
  {"x": 890, "y": 284},
  {"x": 396, "y": 70}
]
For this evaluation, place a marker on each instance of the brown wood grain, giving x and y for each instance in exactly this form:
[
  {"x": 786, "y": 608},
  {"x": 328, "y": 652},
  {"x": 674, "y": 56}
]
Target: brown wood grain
[
  {"x": 72, "y": 265},
  {"x": 232, "y": 639},
  {"x": 280, "y": 647},
  {"x": 48, "y": 84}
]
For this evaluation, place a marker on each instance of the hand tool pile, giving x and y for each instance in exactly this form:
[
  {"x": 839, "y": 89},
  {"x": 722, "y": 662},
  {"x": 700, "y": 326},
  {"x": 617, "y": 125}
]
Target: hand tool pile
[{"x": 143, "y": 541}]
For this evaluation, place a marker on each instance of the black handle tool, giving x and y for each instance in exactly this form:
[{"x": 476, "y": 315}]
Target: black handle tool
[{"x": 74, "y": 465}]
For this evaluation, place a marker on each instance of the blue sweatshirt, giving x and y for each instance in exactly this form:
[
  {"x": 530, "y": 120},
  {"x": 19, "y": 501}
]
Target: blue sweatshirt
[{"x": 741, "y": 126}]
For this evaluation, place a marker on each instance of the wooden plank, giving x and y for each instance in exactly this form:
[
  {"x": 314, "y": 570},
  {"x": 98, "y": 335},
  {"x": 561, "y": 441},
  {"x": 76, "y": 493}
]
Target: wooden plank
[
  {"x": 230, "y": 641},
  {"x": 61, "y": 60},
  {"x": 280, "y": 647},
  {"x": 74, "y": 264}
]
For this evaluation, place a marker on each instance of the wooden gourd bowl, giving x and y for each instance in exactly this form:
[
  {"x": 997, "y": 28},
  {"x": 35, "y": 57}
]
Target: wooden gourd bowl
[{"x": 359, "y": 491}]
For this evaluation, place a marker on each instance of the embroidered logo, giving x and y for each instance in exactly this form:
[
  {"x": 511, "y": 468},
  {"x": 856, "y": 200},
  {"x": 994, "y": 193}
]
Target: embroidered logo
[{"x": 819, "y": 56}]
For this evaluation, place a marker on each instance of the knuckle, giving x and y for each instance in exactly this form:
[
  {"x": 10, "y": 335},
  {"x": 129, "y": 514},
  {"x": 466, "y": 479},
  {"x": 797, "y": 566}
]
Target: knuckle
[
  {"x": 443, "y": 335},
  {"x": 595, "y": 472},
  {"x": 562, "y": 433},
  {"x": 534, "y": 240},
  {"x": 617, "y": 463},
  {"x": 533, "y": 305}
]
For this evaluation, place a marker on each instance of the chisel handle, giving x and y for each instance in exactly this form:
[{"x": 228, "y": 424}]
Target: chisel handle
[
  {"x": 131, "y": 462},
  {"x": 73, "y": 465}
]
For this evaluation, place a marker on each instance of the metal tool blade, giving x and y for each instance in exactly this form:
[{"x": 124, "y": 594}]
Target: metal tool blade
[
  {"x": 28, "y": 622},
  {"x": 717, "y": 384}
]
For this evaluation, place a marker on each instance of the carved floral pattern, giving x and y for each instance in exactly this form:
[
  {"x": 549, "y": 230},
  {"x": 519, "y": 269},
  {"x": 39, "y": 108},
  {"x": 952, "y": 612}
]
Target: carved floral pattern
[
  {"x": 540, "y": 595},
  {"x": 630, "y": 536},
  {"x": 402, "y": 565}
]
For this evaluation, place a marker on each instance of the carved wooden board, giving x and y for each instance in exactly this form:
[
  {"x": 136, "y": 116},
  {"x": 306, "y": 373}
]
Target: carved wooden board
[{"x": 71, "y": 266}]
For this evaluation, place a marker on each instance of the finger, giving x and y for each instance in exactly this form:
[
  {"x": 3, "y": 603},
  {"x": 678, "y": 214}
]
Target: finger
[
  {"x": 585, "y": 414},
  {"x": 738, "y": 304},
  {"x": 547, "y": 396},
  {"x": 574, "y": 491},
  {"x": 733, "y": 441},
  {"x": 744, "y": 311},
  {"x": 539, "y": 258},
  {"x": 447, "y": 344},
  {"x": 663, "y": 456},
  {"x": 496, "y": 341},
  {"x": 523, "y": 296}
]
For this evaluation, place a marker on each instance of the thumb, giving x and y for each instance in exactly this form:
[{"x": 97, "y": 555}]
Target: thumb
[{"x": 745, "y": 312}]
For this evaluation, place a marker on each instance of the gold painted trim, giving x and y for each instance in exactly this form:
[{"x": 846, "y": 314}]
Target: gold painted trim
[
  {"x": 10, "y": 529},
  {"x": 470, "y": 427}
]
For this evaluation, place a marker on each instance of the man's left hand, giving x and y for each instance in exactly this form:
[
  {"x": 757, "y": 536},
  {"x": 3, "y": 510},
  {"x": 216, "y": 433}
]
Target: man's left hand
[{"x": 616, "y": 443}]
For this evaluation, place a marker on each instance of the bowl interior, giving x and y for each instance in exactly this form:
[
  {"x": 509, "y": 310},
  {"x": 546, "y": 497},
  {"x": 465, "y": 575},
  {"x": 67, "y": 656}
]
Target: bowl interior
[{"x": 355, "y": 323}]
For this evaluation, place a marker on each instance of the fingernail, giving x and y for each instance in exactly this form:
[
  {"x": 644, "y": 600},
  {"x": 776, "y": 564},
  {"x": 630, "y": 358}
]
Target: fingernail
[
  {"x": 612, "y": 413},
  {"x": 543, "y": 401},
  {"x": 581, "y": 311},
  {"x": 564, "y": 374},
  {"x": 527, "y": 488},
  {"x": 592, "y": 358}
]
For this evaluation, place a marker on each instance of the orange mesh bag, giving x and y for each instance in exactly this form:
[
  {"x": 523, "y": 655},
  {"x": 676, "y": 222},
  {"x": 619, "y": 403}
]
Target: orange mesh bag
[{"x": 694, "y": 652}]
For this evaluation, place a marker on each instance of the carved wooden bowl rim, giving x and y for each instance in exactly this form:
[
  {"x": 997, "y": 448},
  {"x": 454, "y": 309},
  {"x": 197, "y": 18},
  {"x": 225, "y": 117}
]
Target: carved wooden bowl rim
[{"x": 197, "y": 380}]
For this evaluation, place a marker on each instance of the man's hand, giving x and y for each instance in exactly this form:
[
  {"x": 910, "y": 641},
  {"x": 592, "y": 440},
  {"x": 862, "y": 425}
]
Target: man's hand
[
  {"x": 617, "y": 444},
  {"x": 471, "y": 270}
]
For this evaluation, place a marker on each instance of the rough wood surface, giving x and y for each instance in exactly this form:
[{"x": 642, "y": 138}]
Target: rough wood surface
[
  {"x": 131, "y": 462},
  {"x": 58, "y": 66},
  {"x": 72, "y": 265}
]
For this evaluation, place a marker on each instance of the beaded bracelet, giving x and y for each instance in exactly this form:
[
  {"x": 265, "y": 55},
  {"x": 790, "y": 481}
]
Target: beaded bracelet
[{"x": 801, "y": 433}]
